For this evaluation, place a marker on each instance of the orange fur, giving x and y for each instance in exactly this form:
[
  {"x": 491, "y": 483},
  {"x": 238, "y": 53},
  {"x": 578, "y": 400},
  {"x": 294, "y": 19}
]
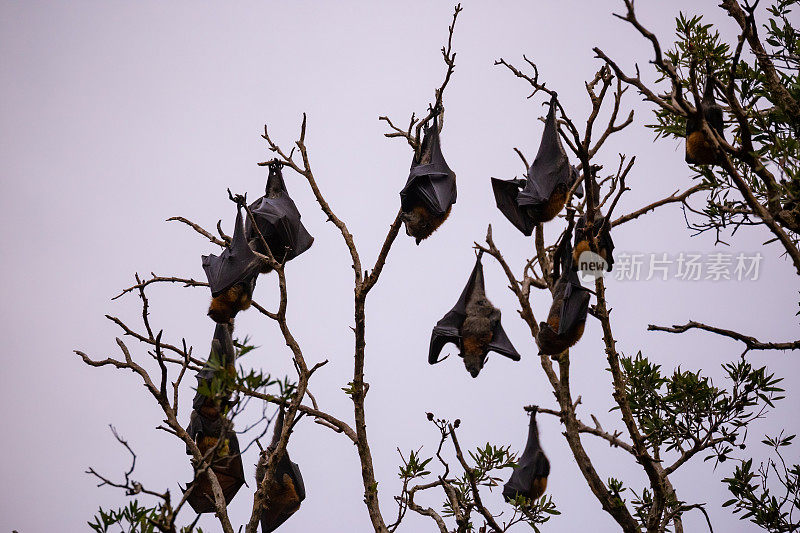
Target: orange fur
[
  {"x": 555, "y": 204},
  {"x": 583, "y": 246},
  {"x": 700, "y": 149},
  {"x": 476, "y": 344},
  {"x": 226, "y": 305},
  {"x": 538, "y": 487},
  {"x": 283, "y": 499},
  {"x": 550, "y": 342},
  {"x": 421, "y": 223},
  {"x": 548, "y": 211}
]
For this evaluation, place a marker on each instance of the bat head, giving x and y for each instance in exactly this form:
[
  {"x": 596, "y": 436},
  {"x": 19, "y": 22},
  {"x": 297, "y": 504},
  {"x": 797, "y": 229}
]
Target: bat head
[{"x": 474, "y": 363}]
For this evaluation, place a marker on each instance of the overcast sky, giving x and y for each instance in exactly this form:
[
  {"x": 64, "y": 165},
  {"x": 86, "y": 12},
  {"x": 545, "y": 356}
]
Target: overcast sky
[{"x": 116, "y": 116}]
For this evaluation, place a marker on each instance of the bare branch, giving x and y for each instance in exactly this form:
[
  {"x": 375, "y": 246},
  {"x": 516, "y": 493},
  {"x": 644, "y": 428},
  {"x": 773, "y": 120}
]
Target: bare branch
[{"x": 750, "y": 342}]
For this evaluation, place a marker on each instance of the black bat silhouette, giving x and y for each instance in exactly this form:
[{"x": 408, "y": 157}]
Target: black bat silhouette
[
  {"x": 473, "y": 325},
  {"x": 699, "y": 148},
  {"x": 232, "y": 276},
  {"x": 286, "y": 492},
  {"x": 430, "y": 192},
  {"x": 544, "y": 192},
  {"x": 529, "y": 478},
  {"x": 278, "y": 220}
]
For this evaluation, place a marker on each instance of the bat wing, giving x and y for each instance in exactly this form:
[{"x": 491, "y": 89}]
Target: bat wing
[
  {"x": 606, "y": 243},
  {"x": 222, "y": 355},
  {"x": 551, "y": 166},
  {"x": 297, "y": 479},
  {"x": 230, "y": 475},
  {"x": 711, "y": 109},
  {"x": 205, "y": 375},
  {"x": 502, "y": 344},
  {"x": 279, "y": 222},
  {"x": 532, "y": 464},
  {"x": 432, "y": 184},
  {"x": 445, "y": 331},
  {"x": 448, "y": 329},
  {"x": 523, "y": 476},
  {"x": 285, "y": 498},
  {"x": 436, "y": 191},
  {"x": 505, "y": 196},
  {"x": 235, "y": 264},
  {"x": 232, "y": 468},
  {"x": 713, "y": 114},
  {"x": 579, "y": 192},
  {"x": 576, "y": 304}
]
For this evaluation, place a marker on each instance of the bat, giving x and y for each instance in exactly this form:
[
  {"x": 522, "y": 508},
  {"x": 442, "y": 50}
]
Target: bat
[
  {"x": 567, "y": 316},
  {"x": 529, "y": 478},
  {"x": 473, "y": 325},
  {"x": 226, "y": 462},
  {"x": 232, "y": 276},
  {"x": 599, "y": 230},
  {"x": 278, "y": 220},
  {"x": 286, "y": 491},
  {"x": 699, "y": 148},
  {"x": 540, "y": 197},
  {"x": 207, "y": 424},
  {"x": 223, "y": 357},
  {"x": 430, "y": 192}
]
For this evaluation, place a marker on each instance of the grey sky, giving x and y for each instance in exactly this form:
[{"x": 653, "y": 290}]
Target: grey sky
[{"x": 118, "y": 115}]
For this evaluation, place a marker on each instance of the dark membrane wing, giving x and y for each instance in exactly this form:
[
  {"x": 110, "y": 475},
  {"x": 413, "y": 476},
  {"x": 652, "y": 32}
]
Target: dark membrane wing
[
  {"x": 222, "y": 353},
  {"x": 278, "y": 220},
  {"x": 579, "y": 192},
  {"x": 230, "y": 474},
  {"x": 445, "y": 331},
  {"x": 285, "y": 497},
  {"x": 551, "y": 166},
  {"x": 297, "y": 478},
  {"x": 699, "y": 148},
  {"x": 506, "y": 193},
  {"x": 235, "y": 264},
  {"x": 502, "y": 344},
  {"x": 711, "y": 109},
  {"x": 431, "y": 183},
  {"x": 604, "y": 241},
  {"x": 437, "y": 192},
  {"x": 532, "y": 464},
  {"x": 576, "y": 304},
  {"x": 205, "y": 375},
  {"x": 285, "y": 465},
  {"x": 449, "y": 327}
]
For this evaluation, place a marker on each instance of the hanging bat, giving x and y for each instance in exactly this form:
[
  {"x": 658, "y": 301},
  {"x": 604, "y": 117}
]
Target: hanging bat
[
  {"x": 540, "y": 197},
  {"x": 278, "y": 219},
  {"x": 223, "y": 357},
  {"x": 567, "y": 317},
  {"x": 286, "y": 491},
  {"x": 232, "y": 276},
  {"x": 700, "y": 148},
  {"x": 529, "y": 478},
  {"x": 473, "y": 325},
  {"x": 430, "y": 191},
  {"x": 226, "y": 462},
  {"x": 601, "y": 231}
]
